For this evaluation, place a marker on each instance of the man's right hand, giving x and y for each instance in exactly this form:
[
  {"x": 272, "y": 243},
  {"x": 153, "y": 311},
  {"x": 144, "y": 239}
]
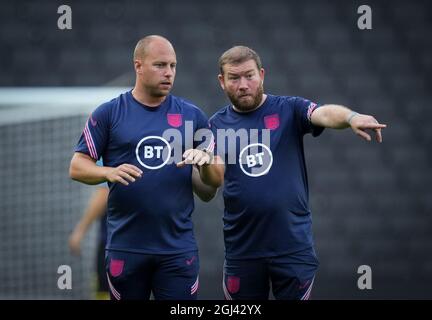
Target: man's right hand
[{"x": 124, "y": 174}]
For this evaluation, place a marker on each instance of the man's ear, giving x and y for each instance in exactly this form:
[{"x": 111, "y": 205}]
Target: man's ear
[
  {"x": 137, "y": 66},
  {"x": 262, "y": 72},
  {"x": 221, "y": 81}
]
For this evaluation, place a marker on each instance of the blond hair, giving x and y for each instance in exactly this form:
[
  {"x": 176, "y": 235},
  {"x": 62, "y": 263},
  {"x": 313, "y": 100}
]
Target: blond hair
[{"x": 237, "y": 55}]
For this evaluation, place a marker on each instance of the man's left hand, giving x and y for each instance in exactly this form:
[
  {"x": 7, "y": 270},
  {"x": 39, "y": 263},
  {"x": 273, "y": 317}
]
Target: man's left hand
[{"x": 361, "y": 122}]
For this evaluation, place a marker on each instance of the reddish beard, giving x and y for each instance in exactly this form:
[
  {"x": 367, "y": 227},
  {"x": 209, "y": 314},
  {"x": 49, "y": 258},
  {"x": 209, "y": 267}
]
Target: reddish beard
[{"x": 247, "y": 105}]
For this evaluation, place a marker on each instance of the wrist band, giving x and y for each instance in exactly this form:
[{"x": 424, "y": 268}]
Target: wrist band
[{"x": 352, "y": 115}]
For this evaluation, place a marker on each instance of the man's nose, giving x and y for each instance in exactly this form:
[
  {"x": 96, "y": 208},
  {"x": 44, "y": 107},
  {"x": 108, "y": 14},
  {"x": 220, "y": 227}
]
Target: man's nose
[
  {"x": 169, "y": 73},
  {"x": 243, "y": 84}
]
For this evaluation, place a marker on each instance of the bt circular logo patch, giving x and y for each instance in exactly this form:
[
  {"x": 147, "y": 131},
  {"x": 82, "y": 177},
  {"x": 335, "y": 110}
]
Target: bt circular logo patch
[
  {"x": 153, "y": 152},
  {"x": 255, "y": 159}
]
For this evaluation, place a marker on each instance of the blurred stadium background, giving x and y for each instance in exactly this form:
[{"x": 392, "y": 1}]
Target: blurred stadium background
[{"x": 370, "y": 203}]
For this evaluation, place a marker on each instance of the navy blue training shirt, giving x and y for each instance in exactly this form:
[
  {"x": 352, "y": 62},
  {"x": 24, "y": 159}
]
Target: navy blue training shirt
[
  {"x": 266, "y": 190},
  {"x": 153, "y": 214}
]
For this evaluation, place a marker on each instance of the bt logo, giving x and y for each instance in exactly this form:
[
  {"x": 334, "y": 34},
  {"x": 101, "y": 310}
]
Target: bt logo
[
  {"x": 255, "y": 159},
  {"x": 149, "y": 152},
  {"x": 153, "y": 152}
]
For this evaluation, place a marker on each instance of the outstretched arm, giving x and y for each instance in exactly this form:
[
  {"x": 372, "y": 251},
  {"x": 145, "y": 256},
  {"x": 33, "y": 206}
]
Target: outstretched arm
[
  {"x": 96, "y": 209},
  {"x": 340, "y": 117}
]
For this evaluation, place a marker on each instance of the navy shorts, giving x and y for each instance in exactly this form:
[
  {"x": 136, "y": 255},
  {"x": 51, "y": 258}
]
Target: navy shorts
[
  {"x": 291, "y": 277},
  {"x": 134, "y": 276}
]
